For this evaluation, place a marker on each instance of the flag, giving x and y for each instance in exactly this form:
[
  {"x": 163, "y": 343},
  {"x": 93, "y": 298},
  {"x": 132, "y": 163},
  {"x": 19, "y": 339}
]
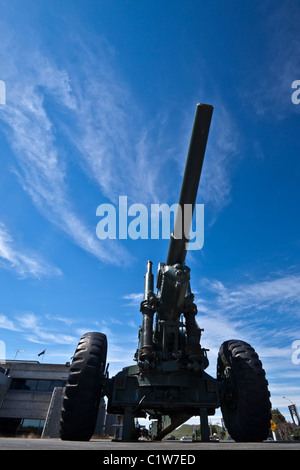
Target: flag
[{"x": 43, "y": 352}]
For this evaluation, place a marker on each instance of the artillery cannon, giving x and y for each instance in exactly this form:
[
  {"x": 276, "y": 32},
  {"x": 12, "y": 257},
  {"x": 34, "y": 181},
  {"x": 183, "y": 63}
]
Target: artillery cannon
[{"x": 168, "y": 382}]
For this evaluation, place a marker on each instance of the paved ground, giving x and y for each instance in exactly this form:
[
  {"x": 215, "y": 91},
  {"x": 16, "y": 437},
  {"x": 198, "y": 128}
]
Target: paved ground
[{"x": 145, "y": 447}]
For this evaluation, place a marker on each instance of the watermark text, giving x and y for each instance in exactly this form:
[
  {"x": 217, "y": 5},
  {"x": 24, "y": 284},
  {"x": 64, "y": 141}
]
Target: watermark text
[
  {"x": 296, "y": 353},
  {"x": 296, "y": 94},
  {"x": 135, "y": 222},
  {"x": 2, "y": 92}
]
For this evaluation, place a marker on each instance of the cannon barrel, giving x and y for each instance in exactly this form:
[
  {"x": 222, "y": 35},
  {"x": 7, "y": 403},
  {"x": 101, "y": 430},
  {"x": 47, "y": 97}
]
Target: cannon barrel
[{"x": 178, "y": 243}]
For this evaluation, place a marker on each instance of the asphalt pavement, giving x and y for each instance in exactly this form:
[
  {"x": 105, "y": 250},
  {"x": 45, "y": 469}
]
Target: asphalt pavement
[{"x": 119, "y": 447}]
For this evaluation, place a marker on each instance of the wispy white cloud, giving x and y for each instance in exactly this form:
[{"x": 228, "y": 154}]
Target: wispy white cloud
[
  {"x": 117, "y": 146},
  {"x": 35, "y": 330},
  {"x": 25, "y": 263},
  {"x": 280, "y": 66},
  {"x": 7, "y": 324},
  {"x": 32, "y": 135},
  {"x": 89, "y": 110},
  {"x": 223, "y": 154},
  {"x": 258, "y": 295},
  {"x": 251, "y": 312},
  {"x": 96, "y": 117},
  {"x": 133, "y": 299}
]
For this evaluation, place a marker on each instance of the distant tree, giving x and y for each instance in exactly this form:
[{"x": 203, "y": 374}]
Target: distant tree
[
  {"x": 296, "y": 433},
  {"x": 277, "y": 417},
  {"x": 284, "y": 430}
]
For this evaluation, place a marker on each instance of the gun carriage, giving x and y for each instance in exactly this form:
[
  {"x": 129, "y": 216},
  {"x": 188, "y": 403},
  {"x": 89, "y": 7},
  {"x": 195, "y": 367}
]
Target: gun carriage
[{"x": 168, "y": 382}]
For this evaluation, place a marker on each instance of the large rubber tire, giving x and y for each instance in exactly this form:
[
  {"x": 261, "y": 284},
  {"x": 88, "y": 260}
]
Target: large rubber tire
[
  {"x": 84, "y": 388},
  {"x": 245, "y": 403}
]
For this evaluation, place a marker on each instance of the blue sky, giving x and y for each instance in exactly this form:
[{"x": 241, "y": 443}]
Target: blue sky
[{"x": 99, "y": 103}]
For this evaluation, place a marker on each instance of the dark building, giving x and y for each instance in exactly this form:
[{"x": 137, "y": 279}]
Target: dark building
[
  {"x": 31, "y": 397},
  {"x": 26, "y": 388}
]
